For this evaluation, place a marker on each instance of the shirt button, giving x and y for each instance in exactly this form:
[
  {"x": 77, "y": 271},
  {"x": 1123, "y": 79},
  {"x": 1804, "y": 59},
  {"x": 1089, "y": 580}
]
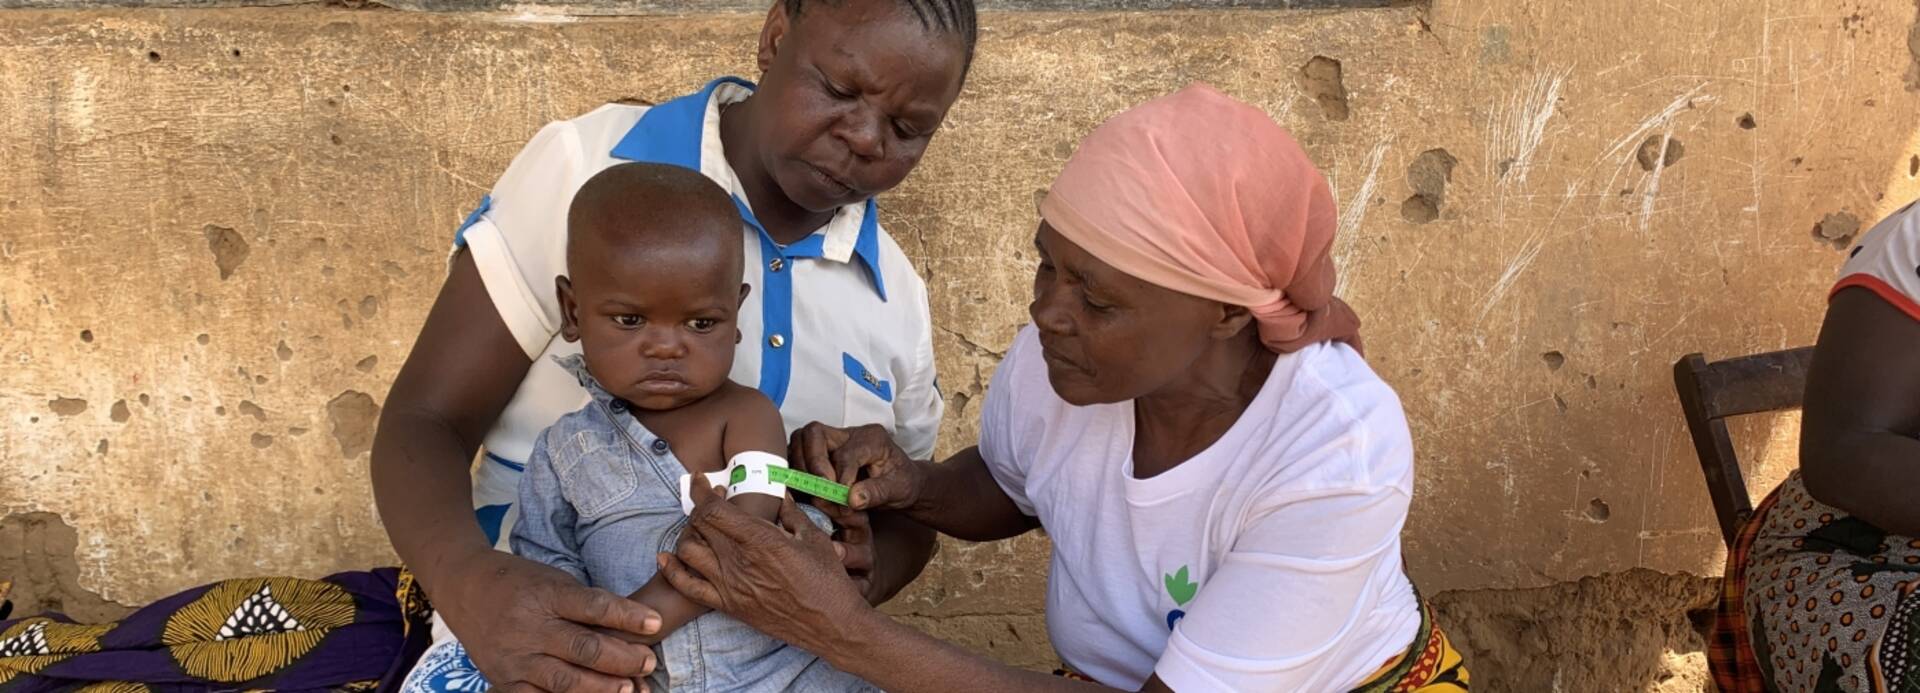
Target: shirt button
[
  {"x": 659, "y": 446},
  {"x": 777, "y": 341},
  {"x": 619, "y": 406},
  {"x": 777, "y": 264}
]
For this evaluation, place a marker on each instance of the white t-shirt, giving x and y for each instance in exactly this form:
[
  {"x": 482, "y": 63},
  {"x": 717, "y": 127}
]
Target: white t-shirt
[
  {"x": 1887, "y": 261},
  {"x": 1268, "y": 562},
  {"x": 836, "y": 329}
]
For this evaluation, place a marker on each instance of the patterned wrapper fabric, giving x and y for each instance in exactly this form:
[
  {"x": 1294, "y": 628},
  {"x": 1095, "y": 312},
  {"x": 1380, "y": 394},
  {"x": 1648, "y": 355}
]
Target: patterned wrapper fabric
[
  {"x": 1817, "y": 600},
  {"x": 344, "y": 631}
]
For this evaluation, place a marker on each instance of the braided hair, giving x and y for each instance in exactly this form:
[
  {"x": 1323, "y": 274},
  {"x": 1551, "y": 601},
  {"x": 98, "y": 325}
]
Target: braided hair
[{"x": 954, "y": 17}]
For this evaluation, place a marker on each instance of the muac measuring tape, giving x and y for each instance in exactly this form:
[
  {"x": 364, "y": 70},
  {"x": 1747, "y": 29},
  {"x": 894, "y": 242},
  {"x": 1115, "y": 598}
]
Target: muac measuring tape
[{"x": 766, "y": 474}]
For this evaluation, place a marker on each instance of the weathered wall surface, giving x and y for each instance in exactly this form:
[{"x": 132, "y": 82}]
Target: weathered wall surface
[{"x": 220, "y": 229}]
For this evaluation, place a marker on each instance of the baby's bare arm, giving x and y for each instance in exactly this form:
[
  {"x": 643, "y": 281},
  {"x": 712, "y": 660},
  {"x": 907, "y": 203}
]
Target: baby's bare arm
[
  {"x": 675, "y": 610},
  {"x": 761, "y": 506},
  {"x": 752, "y": 425}
]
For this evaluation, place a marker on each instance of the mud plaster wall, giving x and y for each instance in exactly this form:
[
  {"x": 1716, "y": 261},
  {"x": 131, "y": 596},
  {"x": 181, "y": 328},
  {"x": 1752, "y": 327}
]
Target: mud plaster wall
[{"x": 220, "y": 229}]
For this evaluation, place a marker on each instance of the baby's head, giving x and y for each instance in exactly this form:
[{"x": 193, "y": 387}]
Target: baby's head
[{"x": 653, "y": 283}]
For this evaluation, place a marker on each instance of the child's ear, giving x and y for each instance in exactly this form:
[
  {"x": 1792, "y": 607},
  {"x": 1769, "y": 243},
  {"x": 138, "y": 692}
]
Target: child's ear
[
  {"x": 569, "y": 311},
  {"x": 772, "y": 32},
  {"x": 745, "y": 289}
]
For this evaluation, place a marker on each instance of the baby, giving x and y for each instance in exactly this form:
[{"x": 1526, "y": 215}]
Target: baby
[{"x": 651, "y": 294}]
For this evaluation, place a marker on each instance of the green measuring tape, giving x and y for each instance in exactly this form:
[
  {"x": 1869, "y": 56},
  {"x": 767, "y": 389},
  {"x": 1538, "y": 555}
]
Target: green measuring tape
[{"x": 817, "y": 486}]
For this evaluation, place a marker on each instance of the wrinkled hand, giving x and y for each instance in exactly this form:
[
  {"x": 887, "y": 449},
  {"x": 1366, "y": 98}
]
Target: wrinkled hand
[
  {"x": 531, "y": 627},
  {"x": 878, "y": 472},
  {"x": 854, "y": 544},
  {"x": 892, "y": 480},
  {"x": 783, "y": 580}
]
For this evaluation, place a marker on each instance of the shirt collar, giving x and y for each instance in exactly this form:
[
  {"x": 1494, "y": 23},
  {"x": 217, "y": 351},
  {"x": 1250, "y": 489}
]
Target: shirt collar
[
  {"x": 685, "y": 132},
  {"x": 577, "y": 365}
]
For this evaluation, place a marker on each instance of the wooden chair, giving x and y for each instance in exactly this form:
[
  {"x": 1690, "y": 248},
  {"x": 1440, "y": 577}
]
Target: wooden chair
[{"x": 1712, "y": 392}]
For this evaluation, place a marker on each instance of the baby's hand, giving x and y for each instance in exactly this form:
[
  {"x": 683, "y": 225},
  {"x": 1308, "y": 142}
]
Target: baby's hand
[{"x": 648, "y": 640}]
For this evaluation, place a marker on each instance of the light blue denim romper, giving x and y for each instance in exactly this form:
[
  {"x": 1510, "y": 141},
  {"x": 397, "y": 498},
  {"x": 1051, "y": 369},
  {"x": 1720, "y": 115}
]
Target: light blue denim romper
[{"x": 600, "y": 498}]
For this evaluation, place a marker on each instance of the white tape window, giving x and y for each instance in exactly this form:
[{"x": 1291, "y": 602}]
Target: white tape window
[{"x": 745, "y": 473}]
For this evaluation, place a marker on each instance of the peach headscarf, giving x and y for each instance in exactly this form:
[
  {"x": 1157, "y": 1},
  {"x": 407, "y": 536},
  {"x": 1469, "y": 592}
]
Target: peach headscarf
[{"x": 1205, "y": 195}]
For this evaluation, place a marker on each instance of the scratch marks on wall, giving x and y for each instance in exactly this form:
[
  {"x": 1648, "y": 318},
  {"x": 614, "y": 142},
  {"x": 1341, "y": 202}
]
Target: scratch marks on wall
[{"x": 1517, "y": 126}]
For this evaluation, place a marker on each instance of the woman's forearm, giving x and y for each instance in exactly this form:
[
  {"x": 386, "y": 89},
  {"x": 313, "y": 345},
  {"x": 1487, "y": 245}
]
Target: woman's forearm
[
  {"x": 900, "y": 659},
  {"x": 786, "y": 581},
  {"x": 960, "y": 498},
  {"x": 906, "y": 545},
  {"x": 462, "y": 371},
  {"x": 423, "y": 492}
]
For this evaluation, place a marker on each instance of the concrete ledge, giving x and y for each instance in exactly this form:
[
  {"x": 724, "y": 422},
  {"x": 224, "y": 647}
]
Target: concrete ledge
[{"x": 651, "y": 7}]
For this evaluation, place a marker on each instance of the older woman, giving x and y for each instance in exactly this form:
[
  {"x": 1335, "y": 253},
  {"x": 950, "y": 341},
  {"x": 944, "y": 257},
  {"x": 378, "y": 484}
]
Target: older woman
[{"x": 1223, "y": 477}]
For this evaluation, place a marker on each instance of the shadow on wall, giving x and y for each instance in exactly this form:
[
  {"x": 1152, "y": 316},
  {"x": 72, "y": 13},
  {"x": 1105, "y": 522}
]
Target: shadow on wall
[
  {"x": 1634, "y": 631},
  {"x": 40, "y": 560},
  {"x": 1640, "y": 630},
  {"x": 1643, "y": 630}
]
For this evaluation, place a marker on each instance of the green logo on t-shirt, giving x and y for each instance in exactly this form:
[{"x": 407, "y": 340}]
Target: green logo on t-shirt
[
  {"x": 1181, "y": 590},
  {"x": 1179, "y": 587}
]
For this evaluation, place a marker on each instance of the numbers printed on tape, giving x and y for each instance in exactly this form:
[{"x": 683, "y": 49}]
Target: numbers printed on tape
[
  {"x": 817, "y": 486},
  {"x": 759, "y": 477}
]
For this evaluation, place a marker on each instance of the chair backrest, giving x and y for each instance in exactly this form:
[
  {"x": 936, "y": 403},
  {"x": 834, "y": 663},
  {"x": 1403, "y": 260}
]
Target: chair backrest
[{"x": 1711, "y": 392}]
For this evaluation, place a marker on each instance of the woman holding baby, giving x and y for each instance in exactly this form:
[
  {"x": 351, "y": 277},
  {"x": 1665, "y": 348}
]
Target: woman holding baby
[{"x": 1189, "y": 418}]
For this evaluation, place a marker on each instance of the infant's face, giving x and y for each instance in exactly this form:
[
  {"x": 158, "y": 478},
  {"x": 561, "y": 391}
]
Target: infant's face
[{"x": 657, "y": 325}]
